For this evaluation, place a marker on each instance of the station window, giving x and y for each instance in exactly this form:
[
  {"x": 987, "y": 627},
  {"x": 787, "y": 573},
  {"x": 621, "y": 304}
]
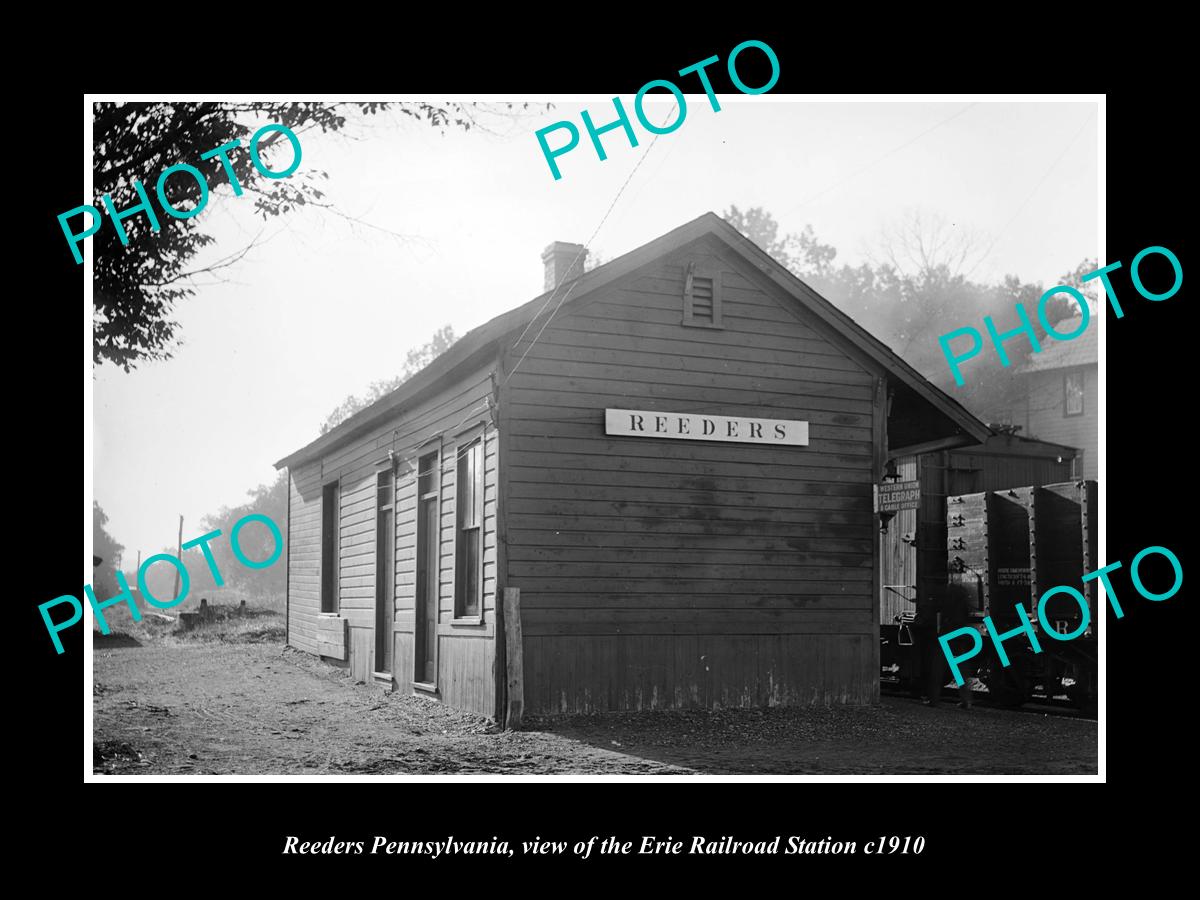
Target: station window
[{"x": 468, "y": 553}]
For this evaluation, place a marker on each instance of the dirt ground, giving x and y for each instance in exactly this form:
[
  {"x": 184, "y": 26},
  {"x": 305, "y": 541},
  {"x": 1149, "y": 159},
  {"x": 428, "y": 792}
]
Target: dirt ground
[{"x": 258, "y": 708}]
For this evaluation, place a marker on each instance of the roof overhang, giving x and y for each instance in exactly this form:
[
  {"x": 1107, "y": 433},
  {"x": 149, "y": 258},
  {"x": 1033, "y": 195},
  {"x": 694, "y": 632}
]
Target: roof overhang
[{"x": 920, "y": 411}]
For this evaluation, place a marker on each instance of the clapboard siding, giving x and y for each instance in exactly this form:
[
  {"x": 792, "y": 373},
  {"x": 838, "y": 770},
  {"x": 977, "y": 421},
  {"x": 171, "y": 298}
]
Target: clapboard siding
[
  {"x": 304, "y": 556},
  {"x": 465, "y": 661},
  {"x": 583, "y": 673},
  {"x": 1044, "y": 418},
  {"x": 686, "y": 573},
  {"x": 649, "y": 572}
]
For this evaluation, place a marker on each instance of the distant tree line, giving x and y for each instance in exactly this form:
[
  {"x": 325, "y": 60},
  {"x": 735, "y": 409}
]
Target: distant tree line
[
  {"x": 254, "y": 539},
  {"x": 443, "y": 339},
  {"x": 919, "y": 287},
  {"x": 109, "y": 552}
]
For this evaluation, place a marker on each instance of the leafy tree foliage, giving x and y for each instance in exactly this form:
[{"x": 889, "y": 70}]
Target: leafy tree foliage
[
  {"x": 806, "y": 256},
  {"x": 1069, "y": 308},
  {"x": 105, "y": 546},
  {"x": 254, "y": 539},
  {"x": 917, "y": 290},
  {"x": 138, "y": 285},
  {"x": 416, "y": 360}
]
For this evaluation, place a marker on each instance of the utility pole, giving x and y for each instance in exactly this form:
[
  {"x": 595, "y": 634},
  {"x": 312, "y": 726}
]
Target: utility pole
[{"x": 179, "y": 556}]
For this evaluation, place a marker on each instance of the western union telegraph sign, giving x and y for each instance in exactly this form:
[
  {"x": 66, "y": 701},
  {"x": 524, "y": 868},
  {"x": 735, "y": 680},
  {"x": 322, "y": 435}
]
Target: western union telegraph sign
[
  {"x": 894, "y": 496},
  {"x": 697, "y": 427}
]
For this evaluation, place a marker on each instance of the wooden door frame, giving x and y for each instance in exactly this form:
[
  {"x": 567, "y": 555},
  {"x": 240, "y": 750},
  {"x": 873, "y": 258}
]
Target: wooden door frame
[
  {"x": 431, "y": 446},
  {"x": 336, "y": 586},
  {"x": 384, "y": 465},
  {"x": 476, "y": 432}
]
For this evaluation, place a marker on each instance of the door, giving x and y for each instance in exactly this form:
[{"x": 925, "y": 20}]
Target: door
[
  {"x": 385, "y": 572},
  {"x": 425, "y": 626},
  {"x": 330, "y": 517}
]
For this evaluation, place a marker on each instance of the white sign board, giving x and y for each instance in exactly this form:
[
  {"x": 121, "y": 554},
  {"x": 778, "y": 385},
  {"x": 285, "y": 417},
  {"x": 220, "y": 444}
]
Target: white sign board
[
  {"x": 699, "y": 427},
  {"x": 893, "y": 496}
]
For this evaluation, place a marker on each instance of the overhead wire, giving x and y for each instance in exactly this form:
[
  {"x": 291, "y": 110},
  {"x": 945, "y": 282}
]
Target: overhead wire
[
  {"x": 878, "y": 160},
  {"x": 549, "y": 299},
  {"x": 1031, "y": 194},
  {"x": 579, "y": 255},
  {"x": 608, "y": 212}
]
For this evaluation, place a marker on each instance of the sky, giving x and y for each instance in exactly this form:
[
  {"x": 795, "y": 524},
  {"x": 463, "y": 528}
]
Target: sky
[{"x": 448, "y": 228}]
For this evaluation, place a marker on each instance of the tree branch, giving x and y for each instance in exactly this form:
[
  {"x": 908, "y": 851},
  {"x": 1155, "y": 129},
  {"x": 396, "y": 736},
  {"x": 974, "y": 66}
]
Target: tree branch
[{"x": 223, "y": 263}]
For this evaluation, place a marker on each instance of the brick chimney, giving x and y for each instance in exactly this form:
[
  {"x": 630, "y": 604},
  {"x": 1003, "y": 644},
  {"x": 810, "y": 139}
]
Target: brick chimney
[{"x": 560, "y": 257}]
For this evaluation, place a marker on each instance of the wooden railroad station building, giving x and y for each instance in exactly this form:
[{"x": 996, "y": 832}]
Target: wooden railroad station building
[{"x": 650, "y": 489}]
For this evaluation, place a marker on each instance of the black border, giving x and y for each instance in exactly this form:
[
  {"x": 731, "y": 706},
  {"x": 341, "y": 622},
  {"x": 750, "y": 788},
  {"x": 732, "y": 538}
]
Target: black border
[{"x": 1146, "y": 487}]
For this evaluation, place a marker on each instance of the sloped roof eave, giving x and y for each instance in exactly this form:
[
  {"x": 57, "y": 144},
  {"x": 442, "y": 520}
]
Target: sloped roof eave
[
  {"x": 491, "y": 333},
  {"x": 863, "y": 339}
]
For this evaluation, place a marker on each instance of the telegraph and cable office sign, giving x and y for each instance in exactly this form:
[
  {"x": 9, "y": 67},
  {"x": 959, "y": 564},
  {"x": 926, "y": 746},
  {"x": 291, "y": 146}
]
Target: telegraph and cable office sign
[{"x": 697, "y": 427}]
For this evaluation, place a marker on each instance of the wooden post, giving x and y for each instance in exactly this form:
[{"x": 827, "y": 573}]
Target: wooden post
[
  {"x": 179, "y": 554},
  {"x": 514, "y": 657},
  {"x": 879, "y": 413}
]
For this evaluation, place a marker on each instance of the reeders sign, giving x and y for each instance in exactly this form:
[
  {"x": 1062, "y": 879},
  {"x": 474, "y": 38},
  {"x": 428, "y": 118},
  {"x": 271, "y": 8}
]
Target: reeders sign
[{"x": 696, "y": 427}]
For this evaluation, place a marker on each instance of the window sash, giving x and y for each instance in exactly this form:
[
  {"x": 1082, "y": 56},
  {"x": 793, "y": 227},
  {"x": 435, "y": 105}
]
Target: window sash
[
  {"x": 384, "y": 486},
  {"x": 427, "y": 472},
  {"x": 470, "y": 567},
  {"x": 1073, "y": 386},
  {"x": 469, "y": 491}
]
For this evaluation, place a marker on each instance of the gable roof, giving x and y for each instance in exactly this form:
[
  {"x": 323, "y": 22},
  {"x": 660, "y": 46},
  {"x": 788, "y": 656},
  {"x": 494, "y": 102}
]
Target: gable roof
[
  {"x": 1080, "y": 351},
  {"x": 483, "y": 342}
]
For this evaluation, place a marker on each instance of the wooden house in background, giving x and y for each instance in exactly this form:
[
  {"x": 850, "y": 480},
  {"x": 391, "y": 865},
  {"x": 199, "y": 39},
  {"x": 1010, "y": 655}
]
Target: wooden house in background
[
  {"x": 670, "y": 457},
  {"x": 1060, "y": 395}
]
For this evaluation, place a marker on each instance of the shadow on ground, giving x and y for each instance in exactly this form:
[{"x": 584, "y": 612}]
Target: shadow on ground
[
  {"x": 234, "y": 707},
  {"x": 898, "y": 736},
  {"x": 116, "y": 639}
]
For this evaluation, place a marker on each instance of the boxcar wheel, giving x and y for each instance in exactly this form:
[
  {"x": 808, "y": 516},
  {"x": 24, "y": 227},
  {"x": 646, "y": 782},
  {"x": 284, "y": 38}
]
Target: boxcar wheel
[
  {"x": 1006, "y": 687},
  {"x": 1085, "y": 699}
]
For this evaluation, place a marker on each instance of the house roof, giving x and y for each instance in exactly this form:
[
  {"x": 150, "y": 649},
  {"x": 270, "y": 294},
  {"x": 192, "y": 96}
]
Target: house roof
[
  {"x": 1056, "y": 354},
  {"x": 483, "y": 342},
  {"x": 1020, "y": 445}
]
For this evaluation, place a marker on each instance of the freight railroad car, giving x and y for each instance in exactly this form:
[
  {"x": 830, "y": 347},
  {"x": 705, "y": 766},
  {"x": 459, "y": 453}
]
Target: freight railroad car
[
  {"x": 1008, "y": 548},
  {"x": 914, "y": 541}
]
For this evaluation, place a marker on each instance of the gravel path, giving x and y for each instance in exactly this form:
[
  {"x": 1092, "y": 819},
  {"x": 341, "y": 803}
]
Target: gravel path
[{"x": 260, "y": 709}]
